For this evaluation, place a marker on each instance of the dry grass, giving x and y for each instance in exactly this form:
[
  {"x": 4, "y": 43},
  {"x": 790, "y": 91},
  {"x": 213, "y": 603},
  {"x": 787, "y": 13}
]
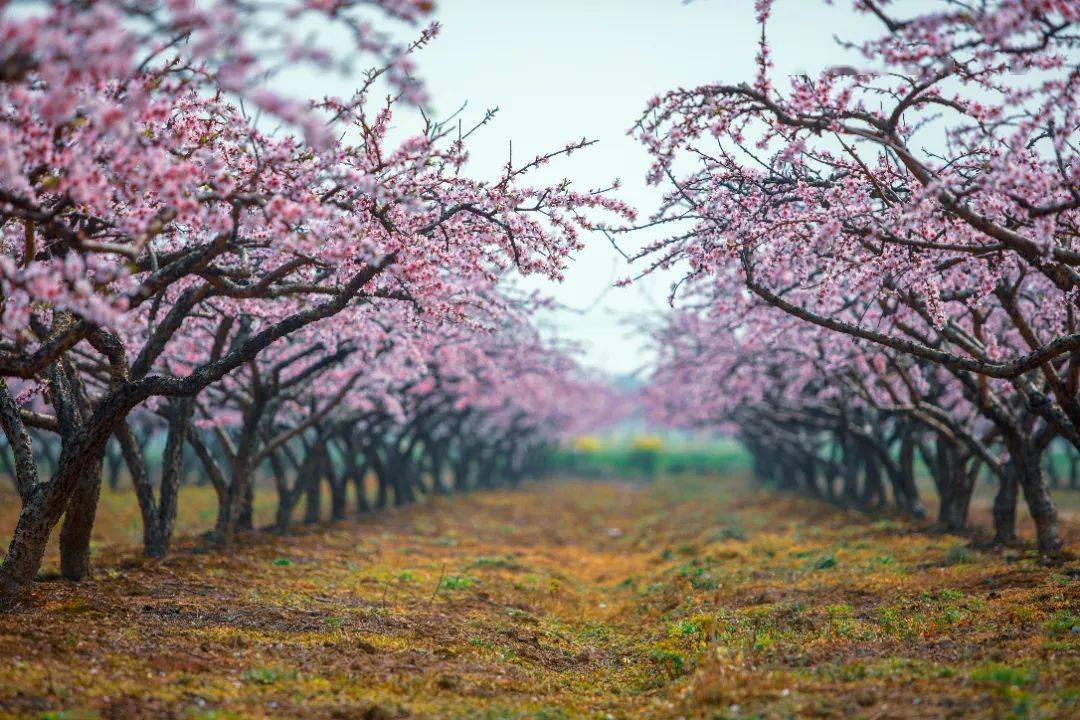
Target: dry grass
[{"x": 562, "y": 600}]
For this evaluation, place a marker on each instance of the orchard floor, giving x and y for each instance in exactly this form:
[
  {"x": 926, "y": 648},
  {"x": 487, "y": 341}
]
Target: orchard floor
[{"x": 558, "y": 600}]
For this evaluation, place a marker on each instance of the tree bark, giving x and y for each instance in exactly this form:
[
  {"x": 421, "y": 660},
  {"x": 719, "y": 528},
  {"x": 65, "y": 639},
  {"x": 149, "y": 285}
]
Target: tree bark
[
  {"x": 159, "y": 518},
  {"x": 461, "y": 475},
  {"x": 245, "y": 519},
  {"x": 313, "y": 489},
  {"x": 356, "y": 472},
  {"x": 954, "y": 485},
  {"x": 1004, "y": 510},
  {"x": 338, "y": 488},
  {"x": 907, "y": 471},
  {"x": 1039, "y": 501},
  {"x": 79, "y": 524},
  {"x": 44, "y": 504},
  {"x": 873, "y": 493}
]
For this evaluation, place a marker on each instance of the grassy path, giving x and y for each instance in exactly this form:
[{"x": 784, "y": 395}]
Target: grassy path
[{"x": 561, "y": 600}]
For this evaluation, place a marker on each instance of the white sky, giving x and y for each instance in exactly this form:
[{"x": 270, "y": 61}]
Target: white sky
[{"x": 560, "y": 70}]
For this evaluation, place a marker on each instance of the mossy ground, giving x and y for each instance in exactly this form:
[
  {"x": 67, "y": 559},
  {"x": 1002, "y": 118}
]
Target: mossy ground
[{"x": 696, "y": 599}]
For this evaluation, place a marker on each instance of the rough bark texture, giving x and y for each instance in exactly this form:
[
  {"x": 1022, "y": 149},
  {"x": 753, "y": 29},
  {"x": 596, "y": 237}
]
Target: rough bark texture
[
  {"x": 1040, "y": 503},
  {"x": 79, "y": 524},
  {"x": 1004, "y": 511}
]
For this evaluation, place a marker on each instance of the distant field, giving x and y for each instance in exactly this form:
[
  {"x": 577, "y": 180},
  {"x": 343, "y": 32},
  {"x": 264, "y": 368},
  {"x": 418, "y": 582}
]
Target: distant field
[{"x": 649, "y": 456}]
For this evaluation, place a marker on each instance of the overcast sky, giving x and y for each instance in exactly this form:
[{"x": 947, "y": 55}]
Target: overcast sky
[{"x": 559, "y": 70}]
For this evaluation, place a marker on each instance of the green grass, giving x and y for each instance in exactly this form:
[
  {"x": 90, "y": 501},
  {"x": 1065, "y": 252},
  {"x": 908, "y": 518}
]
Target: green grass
[
  {"x": 622, "y": 460},
  {"x": 457, "y": 582}
]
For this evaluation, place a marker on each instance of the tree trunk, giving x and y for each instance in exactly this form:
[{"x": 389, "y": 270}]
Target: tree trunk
[
  {"x": 245, "y": 519},
  {"x": 907, "y": 471},
  {"x": 383, "y": 492},
  {"x": 399, "y": 473},
  {"x": 24, "y": 553},
  {"x": 850, "y": 493},
  {"x": 810, "y": 475},
  {"x": 42, "y": 508},
  {"x": 1037, "y": 495},
  {"x": 158, "y": 533},
  {"x": 382, "y": 478},
  {"x": 461, "y": 475},
  {"x": 954, "y": 484},
  {"x": 359, "y": 480},
  {"x": 79, "y": 524},
  {"x": 873, "y": 493},
  {"x": 223, "y": 525},
  {"x": 1004, "y": 512},
  {"x": 230, "y": 507},
  {"x": 338, "y": 502},
  {"x": 485, "y": 477},
  {"x": 339, "y": 483},
  {"x": 313, "y": 485},
  {"x": 355, "y": 472},
  {"x": 313, "y": 491},
  {"x": 438, "y": 465},
  {"x": 283, "y": 512}
]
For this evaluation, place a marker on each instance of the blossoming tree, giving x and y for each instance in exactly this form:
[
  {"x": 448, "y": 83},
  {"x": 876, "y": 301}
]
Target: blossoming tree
[
  {"x": 923, "y": 200},
  {"x": 157, "y": 236}
]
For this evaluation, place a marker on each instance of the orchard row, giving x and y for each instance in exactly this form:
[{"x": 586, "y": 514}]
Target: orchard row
[
  {"x": 884, "y": 259},
  {"x": 262, "y": 283}
]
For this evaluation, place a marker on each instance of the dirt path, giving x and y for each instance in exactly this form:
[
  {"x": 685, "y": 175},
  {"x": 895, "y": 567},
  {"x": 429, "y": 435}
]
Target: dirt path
[{"x": 562, "y": 600}]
